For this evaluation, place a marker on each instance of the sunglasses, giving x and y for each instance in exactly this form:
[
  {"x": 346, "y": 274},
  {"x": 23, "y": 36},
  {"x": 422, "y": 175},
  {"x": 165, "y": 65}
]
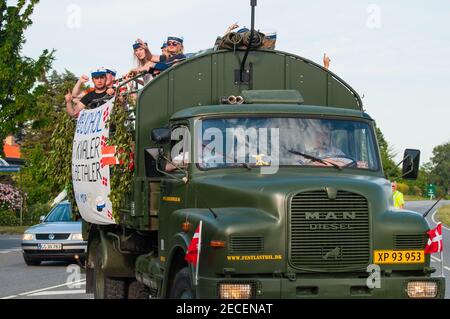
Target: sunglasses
[{"x": 172, "y": 44}]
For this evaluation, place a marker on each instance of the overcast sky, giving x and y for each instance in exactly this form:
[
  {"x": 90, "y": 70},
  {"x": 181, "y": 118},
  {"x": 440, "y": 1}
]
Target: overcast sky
[{"x": 394, "y": 53}]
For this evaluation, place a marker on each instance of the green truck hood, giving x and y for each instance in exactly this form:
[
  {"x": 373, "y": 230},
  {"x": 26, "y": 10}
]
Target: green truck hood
[{"x": 255, "y": 207}]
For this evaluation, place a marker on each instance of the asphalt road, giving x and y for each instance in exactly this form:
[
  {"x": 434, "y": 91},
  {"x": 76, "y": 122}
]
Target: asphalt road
[
  {"x": 422, "y": 207},
  {"x": 56, "y": 280},
  {"x": 50, "y": 280}
]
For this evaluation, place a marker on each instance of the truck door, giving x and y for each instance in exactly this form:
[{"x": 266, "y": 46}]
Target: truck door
[{"x": 173, "y": 189}]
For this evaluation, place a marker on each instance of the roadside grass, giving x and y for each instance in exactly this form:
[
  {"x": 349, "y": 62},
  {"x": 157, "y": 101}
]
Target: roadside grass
[
  {"x": 13, "y": 230},
  {"x": 443, "y": 215}
]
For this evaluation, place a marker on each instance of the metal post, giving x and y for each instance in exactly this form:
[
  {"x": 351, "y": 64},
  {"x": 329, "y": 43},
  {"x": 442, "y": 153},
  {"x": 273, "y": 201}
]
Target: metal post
[
  {"x": 21, "y": 197},
  {"x": 198, "y": 253},
  {"x": 253, "y": 4}
]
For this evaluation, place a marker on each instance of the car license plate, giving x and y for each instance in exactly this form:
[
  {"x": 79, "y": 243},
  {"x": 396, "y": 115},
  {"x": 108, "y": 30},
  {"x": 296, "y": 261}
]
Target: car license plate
[
  {"x": 49, "y": 246},
  {"x": 399, "y": 257}
]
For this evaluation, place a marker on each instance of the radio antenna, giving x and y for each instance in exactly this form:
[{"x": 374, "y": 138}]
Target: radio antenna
[{"x": 253, "y": 4}]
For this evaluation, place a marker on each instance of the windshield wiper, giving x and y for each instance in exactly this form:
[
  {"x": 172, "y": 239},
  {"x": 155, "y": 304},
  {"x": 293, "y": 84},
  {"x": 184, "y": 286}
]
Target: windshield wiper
[{"x": 316, "y": 159}]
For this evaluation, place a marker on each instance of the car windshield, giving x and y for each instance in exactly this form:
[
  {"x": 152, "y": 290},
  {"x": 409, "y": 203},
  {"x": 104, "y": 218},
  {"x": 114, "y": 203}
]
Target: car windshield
[
  {"x": 60, "y": 213},
  {"x": 231, "y": 142}
]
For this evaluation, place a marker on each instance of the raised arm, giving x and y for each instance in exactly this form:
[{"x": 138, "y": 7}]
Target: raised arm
[
  {"x": 232, "y": 27},
  {"x": 326, "y": 61},
  {"x": 76, "y": 91},
  {"x": 70, "y": 108}
]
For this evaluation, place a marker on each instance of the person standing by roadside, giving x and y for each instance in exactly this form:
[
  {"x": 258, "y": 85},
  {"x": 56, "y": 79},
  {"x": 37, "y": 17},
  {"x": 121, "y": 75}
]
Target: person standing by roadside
[{"x": 399, "y": 202}]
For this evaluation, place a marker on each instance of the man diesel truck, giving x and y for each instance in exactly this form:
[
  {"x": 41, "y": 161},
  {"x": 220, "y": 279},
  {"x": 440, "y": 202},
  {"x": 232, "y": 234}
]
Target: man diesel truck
[{"x": 278, "y": 161}]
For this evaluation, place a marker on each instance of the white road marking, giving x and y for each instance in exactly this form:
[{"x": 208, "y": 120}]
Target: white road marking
[
  {"x": 435, "y": 259},
  {"x": 58, "y": 292},
  {"x": 53, "y": 287},
  {"x": 438, "y": 260},
  {"x": 434, "y": 220},
  {"x": 7, "y": 251},
  {"x": 35, "y": 292}
]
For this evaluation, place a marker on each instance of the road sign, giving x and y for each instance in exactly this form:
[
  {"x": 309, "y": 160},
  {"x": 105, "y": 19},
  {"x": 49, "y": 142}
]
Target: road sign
[{"x": 431, "y": 190}]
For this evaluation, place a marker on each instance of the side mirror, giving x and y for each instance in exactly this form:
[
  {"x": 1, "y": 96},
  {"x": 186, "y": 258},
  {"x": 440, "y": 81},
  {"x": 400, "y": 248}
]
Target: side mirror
[
  {"x": 41, "y": 219},
  {"x": 161, "y": 135},
  {"x": 411, "y": 161}
]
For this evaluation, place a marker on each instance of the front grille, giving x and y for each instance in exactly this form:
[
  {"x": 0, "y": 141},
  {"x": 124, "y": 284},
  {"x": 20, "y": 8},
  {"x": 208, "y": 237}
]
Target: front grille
[
  {"x": 329, "y": 234},
  {"x": 57, "y": 236},
  {"x": 246, "y": 244},
  {"x": 416, "y": 241}
]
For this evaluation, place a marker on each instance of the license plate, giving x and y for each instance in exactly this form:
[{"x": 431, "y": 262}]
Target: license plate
[
  {"x": 399, "y": 257},
  {"x": 49, "y": 246}
]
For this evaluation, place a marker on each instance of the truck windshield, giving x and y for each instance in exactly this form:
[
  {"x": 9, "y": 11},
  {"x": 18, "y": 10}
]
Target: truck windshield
[{"x": 231, "y": 142}]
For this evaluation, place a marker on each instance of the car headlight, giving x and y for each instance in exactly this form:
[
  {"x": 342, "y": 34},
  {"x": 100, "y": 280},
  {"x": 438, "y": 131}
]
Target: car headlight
[
  {"x": 27, "y": 236},
  {"x": 76, "y": 237},
  {"x": 422, "y": 289}
]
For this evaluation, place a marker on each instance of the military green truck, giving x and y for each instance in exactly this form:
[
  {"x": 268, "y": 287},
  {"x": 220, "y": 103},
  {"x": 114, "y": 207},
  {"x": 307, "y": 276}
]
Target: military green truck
[{"x": 279, "y": 162}]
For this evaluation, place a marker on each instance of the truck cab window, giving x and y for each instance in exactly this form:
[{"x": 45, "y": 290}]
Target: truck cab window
[{"x": 232, "y": 142}]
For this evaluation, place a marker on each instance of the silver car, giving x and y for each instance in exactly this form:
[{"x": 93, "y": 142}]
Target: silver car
[{"x": 57, "y": 237}]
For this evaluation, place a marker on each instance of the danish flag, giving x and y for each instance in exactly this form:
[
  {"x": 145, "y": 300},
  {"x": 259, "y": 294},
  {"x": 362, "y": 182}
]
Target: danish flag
[
  {"x": 434, "y": 244},
  {"x": 109, "y": 156},
  {"x": 193, "y": 252}
]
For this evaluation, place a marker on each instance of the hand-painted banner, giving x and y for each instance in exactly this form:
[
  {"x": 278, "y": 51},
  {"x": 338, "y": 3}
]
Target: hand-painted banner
[{"x": 90, "y": 174}]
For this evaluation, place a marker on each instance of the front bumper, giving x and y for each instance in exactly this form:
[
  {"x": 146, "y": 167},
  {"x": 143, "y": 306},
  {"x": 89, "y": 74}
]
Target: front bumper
[
  {"x": 68, "y": 251},
  {"x": 320, "y": 288}
]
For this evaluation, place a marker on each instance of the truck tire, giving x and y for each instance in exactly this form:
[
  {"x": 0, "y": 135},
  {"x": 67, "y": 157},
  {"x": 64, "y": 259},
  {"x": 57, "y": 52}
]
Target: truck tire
[
  {"x": 137, "y": 290},
  {"x": 107, "y": 287},
  {"x": 31, "y": 261},
  {"x": 182, "y": 285}
]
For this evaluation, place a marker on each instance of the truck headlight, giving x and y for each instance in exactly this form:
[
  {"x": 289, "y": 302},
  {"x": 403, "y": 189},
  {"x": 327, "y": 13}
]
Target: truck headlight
[
  {"x": 76, "y": 237},
  {"x": 422, "y": 289},
  {"x": 28, "y": 237},
  {"x": 235, "y": 291}
]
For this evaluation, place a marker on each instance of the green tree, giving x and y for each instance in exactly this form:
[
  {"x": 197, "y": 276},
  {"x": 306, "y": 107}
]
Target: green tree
[
  {"x": 387, "y": 156},
  {"x": 441, "y": 165},
  {"x": 18, "y": 75},
  {"x": 47, "y": 140}
]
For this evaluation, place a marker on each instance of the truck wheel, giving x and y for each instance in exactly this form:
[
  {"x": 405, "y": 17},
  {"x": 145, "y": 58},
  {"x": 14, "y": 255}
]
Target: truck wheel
[
  {"x": 137, "y": 290},
  {"x": 182, "y": 286},
  {"x": 31, "y": 261},
  {"x": 106, "y": 287}
]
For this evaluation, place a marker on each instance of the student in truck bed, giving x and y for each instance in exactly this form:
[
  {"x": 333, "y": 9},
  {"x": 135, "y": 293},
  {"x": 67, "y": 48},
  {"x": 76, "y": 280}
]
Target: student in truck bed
[
  {"x": 143, "y": 56},
  {"x": 99, "y": 92},
  {"x": 159, "y": 63}
]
